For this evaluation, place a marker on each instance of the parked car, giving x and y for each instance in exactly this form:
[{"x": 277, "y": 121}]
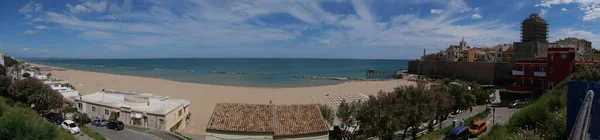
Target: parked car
[
  {"x": 477, "y": 128},
  {"x": 100, "y": 123},
  {"x": 458, "y": 133},
  {"x": 115, "y": 125},
  {"x": 54, "y": 117},
  {"x": 70, "y": 126}
]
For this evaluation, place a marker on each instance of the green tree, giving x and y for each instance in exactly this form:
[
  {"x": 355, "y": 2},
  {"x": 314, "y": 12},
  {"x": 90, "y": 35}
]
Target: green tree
[
  {"x": 346, "y": 112},
  {"x": 442, "y": 104},
  {"x": 9, "y": 61},
  {"x": 419, "y": 109},
  {"x": 327, "y": 113},
  {"x": 2, "y": 70},
  {"x": 33, "y": 91},
  {"x": 4, "y": 84}
]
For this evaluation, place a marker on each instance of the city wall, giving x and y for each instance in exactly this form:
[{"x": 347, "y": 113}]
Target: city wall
[{"x": 480, "y": 72}]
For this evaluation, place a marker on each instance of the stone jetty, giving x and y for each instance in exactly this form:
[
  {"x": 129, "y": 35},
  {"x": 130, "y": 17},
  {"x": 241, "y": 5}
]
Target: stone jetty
[
  {"x": 339, "y": 78},
  {"x": 240, "y": 73}
]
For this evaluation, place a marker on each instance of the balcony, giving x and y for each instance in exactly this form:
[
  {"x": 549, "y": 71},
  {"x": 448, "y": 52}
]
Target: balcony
[
  {"x": 539, "y": 74},
  {"x": 515, "y": 72}
]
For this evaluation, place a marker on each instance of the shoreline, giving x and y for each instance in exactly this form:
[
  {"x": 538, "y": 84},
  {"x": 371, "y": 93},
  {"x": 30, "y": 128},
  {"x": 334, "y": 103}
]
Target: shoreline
[{"x": 204, "y": 97}]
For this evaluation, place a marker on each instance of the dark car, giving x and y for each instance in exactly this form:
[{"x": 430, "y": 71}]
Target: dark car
[
  {"x": 115, "y": 125},
  {"x": 54, "y": 117},
  {"x": 458, "y": 133}
]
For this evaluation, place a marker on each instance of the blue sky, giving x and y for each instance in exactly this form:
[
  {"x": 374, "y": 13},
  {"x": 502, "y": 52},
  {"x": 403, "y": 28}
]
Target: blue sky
[{"x": 360, "y": 29}]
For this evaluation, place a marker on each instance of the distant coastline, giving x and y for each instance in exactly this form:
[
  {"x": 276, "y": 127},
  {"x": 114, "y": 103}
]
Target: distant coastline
[{"x": 244, "y": 72}]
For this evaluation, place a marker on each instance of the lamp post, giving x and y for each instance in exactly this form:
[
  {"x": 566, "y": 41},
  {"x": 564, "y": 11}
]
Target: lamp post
[{"x": 493, "y": 115}]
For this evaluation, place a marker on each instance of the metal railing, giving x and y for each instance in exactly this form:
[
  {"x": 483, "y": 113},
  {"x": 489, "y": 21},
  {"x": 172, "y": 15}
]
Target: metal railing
[{"x": 581, "y": 127}]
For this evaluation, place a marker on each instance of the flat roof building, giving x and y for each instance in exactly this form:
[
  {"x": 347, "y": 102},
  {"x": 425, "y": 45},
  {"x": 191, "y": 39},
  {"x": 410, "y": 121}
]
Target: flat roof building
[
  {"x": 139, "y": 109},
  {"x": 263, "y": 121}
]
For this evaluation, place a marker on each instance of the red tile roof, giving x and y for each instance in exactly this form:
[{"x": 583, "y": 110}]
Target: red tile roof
[
  {"x": 289, "y": 119},
  {"x": 241, "y": 118},
  {"x": 299, "y": 119}
]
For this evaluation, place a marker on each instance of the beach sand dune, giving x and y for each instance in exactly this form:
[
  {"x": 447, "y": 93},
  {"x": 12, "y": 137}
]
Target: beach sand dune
[{"x": 204, "y": 97}]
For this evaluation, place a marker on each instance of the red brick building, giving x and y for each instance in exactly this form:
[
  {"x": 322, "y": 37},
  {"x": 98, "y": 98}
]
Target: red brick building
[{"x": 537, "y": 75}]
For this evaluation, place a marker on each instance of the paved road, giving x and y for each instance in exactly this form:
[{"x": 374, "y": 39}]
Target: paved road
[
  {"x": 124, "y": 134},
  {"x": 501, "y": 115}
]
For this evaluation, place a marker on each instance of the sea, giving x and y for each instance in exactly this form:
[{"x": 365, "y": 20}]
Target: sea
[{"x": 261, "y": 72}]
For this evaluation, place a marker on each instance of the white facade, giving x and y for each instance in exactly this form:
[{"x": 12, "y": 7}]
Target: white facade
[
  {"x": 62, "y": 87},
  {"x": 139, "y": 109}
]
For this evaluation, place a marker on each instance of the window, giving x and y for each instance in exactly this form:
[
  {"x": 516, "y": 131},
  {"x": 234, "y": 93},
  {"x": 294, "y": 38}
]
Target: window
[
  {"x": 522, "y": 81},
  {"x": 93, "y": 109},
  {"x": 531, "y": 81},
  {"x": 179, "y": 113},
  {"x": 564, "y": 56},
  {"x": 105, "y": 111},
  {"x": 79, "y": 105},
  {"x": 551, "y": 70},
  {"x": 551, "y": 57},
  {"x": 184, "y": 108}
]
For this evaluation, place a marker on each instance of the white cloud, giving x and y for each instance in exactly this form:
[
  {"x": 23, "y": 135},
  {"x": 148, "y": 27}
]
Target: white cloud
[
  {"x": 33, "y": 50},
  {"x": 543, "y": 13},
  {"x": 476, "y": 16},
  {"x": 40, "y": 27},
  {"x": 88, "y": 7},
  {"x": 30, "y": 8},
  {"x": 563, "y": 9},
  {"x": 590, "y": 8},
  {"x": 436, "y": 11},
  {"x": 30, "y": 32},
  {"x": 226, "y": 24}
]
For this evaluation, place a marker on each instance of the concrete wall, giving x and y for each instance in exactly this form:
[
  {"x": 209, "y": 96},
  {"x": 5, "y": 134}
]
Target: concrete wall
[
  {"x": 174, "y": 118},
  {"x": 211, "y": 135},
  {"x": 319, "y": 136},
  {"x": 481, "y": 72}
]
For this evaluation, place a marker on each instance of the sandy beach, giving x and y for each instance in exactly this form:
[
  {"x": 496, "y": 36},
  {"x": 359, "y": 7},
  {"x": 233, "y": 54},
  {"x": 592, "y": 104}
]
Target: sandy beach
[{"x": 204, "y": 97}]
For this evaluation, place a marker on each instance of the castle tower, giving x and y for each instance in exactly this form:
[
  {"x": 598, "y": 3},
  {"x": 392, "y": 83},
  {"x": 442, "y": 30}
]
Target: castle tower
[
  {"x": 463, "y": 44},
  {"x": 534, "y": 28}
]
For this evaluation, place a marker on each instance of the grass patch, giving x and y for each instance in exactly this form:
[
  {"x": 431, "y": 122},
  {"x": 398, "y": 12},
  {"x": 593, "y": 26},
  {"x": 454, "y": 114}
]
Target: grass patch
[
  {"x": 187, "y": 138},
  {"x": 91, "y": 133},
  {"x": 441, "y": 133},
  {"x": 18, "y": 122}
]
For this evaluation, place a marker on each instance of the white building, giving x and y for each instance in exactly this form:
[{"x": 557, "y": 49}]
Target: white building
[
  {"x": 2, "y": 58},
  {"x": 264, "y": 121},
  {"x": 62, "y": 86},
  {"x": 139, "y": 109}
]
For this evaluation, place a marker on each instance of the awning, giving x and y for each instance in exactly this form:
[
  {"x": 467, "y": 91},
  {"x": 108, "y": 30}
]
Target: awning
[{"x": 136, "y": 115}]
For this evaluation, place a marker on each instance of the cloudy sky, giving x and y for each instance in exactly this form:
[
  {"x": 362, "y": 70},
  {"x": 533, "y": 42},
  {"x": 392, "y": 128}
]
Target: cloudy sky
[{"x": 377, "y": 29}]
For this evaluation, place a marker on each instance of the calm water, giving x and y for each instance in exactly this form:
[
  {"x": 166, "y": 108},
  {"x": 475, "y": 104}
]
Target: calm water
[{"x": 281, "y": 71}]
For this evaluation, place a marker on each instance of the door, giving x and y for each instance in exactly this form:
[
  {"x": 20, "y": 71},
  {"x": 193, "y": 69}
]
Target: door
[{"x": 550, "y": 85}]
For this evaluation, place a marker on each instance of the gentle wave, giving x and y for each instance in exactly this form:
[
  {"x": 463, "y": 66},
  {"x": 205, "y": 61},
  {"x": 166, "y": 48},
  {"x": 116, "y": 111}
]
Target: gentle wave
[
  {"x": 131, "y": 68},
  {"x": 174, "y": 70},
  {"x": 98, "y": 66}
]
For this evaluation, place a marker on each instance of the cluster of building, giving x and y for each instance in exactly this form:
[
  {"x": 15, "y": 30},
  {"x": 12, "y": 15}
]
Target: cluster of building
[
  {"x": 534, "y": 63},
  {"x": 534, "y": 35}
]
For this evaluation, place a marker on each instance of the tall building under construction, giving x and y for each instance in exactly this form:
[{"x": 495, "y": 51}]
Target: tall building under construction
[
  {"x": 534, "y": 28},
  {"x": 534, "y": 39}
]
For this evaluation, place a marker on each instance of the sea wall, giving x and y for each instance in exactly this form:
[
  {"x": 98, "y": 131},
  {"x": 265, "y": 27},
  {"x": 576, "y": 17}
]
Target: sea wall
[{"x": 481, "y": 72}]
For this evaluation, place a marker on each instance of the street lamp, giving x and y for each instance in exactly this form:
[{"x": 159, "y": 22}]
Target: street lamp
[{"x": 493, "y": 115}]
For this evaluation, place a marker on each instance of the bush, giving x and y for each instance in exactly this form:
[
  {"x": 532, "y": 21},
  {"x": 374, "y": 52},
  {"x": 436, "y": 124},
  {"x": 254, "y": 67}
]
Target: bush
[
  {"x": 33, "y": 91},
  {"x": 24, "y": 123},
  {"x": 81, "y": 118}
]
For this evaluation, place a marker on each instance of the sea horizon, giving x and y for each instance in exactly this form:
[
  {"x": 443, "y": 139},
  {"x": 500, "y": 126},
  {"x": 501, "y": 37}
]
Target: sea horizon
[{"x": 260, "y": 72}]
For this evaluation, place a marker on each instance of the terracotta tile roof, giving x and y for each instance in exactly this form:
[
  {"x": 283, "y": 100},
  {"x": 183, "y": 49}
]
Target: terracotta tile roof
[
  {"x": 299, "y": 119},
  {"x": 241, "y": 118},
  {"x": 290, "y": 119}
]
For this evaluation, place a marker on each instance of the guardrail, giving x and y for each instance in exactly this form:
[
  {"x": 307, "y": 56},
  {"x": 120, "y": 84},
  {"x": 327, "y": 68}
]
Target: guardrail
[{"x": 581, "y": 127}]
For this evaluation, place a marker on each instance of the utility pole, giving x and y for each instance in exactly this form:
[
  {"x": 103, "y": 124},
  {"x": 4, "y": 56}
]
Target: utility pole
[{"x": 493, "y": 115}]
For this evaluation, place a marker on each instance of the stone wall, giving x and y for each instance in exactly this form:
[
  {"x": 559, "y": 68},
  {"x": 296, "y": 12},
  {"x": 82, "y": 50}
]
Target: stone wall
[
  {"x": 480, "y": 72},
  {"x": 529, "y": 50}
]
